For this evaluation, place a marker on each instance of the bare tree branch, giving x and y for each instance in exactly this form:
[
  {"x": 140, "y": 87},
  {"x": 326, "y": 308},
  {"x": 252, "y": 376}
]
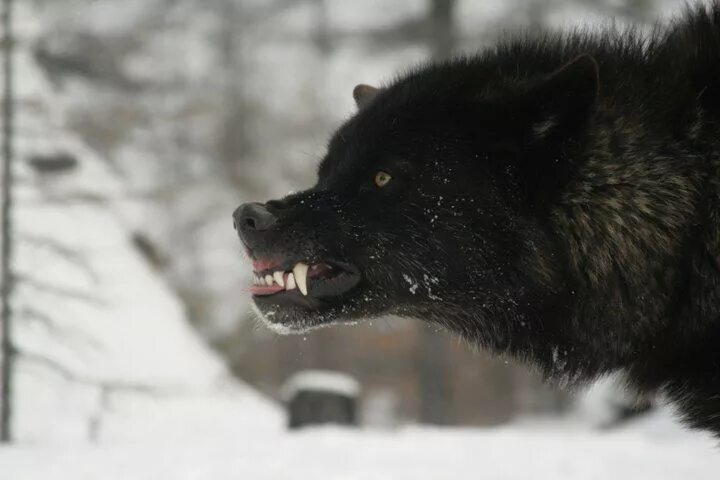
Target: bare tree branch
[
  {"x": 72, "y": 256},
  {"x": 60, "y": 291},
  {"x": 108, "y": 385},
  {"x": 51, "y": 325},
  {"x": 68, "y": 199}
]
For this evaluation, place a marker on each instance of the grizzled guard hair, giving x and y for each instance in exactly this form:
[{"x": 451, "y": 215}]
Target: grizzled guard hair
[{"x": 556, "y": 198}]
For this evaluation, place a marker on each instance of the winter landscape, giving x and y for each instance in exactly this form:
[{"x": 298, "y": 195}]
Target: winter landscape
[{"x": 139, "y": 126}]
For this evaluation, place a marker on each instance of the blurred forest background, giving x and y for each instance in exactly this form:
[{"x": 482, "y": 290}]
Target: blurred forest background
[{"x": 196, "y": 106}]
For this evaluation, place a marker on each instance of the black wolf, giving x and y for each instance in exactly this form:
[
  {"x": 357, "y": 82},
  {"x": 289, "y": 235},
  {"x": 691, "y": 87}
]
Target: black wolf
[{"x": 556, "y": 198}]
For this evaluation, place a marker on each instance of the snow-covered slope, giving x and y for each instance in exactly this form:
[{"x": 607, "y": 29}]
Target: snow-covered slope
[{"x": 105, "y": 349}]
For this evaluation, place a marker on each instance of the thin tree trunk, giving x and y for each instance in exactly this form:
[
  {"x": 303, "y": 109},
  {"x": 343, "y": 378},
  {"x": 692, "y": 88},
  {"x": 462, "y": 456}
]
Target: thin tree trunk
[
  {"x": 443, "y": 28},
  {"x": 235, "y": 142},
  {"x": 434, "y": 371},
  {"x": 434, "y": 368},
  {"x": 6, "y": 280},
  {"x": 322, "y": 27}
]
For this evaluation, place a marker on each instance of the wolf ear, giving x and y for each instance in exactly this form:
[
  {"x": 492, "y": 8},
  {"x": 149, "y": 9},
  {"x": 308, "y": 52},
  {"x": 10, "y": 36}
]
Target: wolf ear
[
  {"x": 564, "y": 98},
  {"x": 554, "y": 109},
  {"x": 363, "y": 94}
]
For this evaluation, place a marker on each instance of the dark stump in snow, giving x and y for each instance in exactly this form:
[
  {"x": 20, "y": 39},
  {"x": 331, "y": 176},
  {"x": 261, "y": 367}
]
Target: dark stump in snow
[{"x": 315, "y": 397}]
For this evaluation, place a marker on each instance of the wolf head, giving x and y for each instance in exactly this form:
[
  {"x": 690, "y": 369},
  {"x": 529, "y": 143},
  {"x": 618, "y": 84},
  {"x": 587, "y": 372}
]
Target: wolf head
[{"x": 431, "y": 200}]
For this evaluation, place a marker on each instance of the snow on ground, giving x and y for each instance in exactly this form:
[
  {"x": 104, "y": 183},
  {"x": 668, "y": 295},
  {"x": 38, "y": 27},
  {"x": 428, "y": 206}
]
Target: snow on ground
[
  {"x": 411, "y": 453},
  {"x": 105, "y": 348}
]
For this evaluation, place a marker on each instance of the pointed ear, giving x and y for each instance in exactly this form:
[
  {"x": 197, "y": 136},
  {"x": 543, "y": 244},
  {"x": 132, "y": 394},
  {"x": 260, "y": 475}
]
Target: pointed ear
[
  {"x": 564, "y": 99},
  {"x": 363, "y": 94},
  {"x": 552, "y": 110}
]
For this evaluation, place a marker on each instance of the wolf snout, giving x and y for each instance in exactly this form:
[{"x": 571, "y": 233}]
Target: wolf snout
[{"x": 250, "y": 218}]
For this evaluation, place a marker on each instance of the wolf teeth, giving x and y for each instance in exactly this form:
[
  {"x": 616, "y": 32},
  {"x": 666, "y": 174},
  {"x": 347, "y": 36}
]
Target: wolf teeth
[
  {"x": 300, "y": 271},
  {"x": 295, "y": 279}
]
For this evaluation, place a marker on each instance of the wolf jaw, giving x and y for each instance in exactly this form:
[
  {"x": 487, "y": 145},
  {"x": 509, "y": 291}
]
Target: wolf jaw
[{"x": 323, "y": 279}]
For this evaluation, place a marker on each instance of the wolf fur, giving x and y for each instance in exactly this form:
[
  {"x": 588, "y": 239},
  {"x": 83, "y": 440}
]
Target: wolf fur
[{"x": 556, "y": 198}]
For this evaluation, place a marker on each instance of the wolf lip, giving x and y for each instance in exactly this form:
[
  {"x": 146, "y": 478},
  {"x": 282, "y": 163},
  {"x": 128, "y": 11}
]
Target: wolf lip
[{"x": 317, "y": 279}]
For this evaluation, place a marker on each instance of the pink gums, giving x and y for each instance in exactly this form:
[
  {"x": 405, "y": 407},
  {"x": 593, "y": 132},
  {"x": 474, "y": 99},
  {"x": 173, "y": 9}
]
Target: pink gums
[
  {"x": 265, "y": 290},
  {"x": 262, "y": 265}
]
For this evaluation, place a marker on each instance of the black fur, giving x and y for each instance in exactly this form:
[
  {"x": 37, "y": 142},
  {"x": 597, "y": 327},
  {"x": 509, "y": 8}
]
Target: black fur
[{"x": 556, "y": 198}]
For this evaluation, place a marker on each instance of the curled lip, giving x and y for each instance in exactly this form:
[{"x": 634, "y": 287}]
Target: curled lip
[{"x": 313, "y": 278}]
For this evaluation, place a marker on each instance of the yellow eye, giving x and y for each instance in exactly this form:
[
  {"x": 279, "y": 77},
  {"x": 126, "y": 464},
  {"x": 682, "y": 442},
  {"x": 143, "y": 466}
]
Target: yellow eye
[{"x": 382, "y": 178}]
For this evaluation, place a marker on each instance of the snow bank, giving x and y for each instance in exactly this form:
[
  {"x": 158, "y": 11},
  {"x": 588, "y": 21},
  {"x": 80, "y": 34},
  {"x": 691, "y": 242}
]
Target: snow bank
[
  {"x": 106, "y": 352},
  {"x": 413, "y": 454}
]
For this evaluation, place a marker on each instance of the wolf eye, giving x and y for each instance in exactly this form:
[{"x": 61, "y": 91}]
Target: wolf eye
[{"x": 382, "y": 178}]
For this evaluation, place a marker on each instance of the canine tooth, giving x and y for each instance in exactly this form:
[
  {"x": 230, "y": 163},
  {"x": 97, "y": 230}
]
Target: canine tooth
[
  {"x": 268, "y": 280},
  {"x": 256, "y": 280},
  {"x": 300, "y": 270},
  {"x": 278, "y": 277},
  {"x": 261, "y": 281},
  {"x": 290, "y": 284}
]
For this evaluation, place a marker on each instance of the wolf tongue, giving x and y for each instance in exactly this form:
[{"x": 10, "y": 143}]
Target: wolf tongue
[{"x": 300, "y": 272}]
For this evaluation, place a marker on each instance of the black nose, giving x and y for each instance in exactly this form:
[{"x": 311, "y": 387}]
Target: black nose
[{"x": 253, "y": 217}]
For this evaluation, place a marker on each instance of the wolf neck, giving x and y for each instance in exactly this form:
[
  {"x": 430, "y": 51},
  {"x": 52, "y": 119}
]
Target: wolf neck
[
  {"x": 619, "y": 228},
  {"x": 622, "y": 223}
]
